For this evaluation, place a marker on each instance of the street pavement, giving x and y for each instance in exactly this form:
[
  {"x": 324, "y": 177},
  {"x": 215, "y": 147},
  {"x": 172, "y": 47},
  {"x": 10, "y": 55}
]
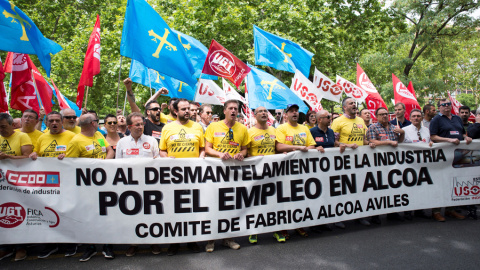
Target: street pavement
[{"x": 418, "y": 244}]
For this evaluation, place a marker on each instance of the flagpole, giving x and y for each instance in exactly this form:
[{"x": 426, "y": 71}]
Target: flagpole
[
  {"x": 149, "y": 81},
  {"x": 124, "y": 104},
  {"x": 118, "y": 85},
  {"x": 86, "y": 97}
]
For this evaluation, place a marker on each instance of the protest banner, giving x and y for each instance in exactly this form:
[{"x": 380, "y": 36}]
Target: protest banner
[{"x": 187, "y": 200}]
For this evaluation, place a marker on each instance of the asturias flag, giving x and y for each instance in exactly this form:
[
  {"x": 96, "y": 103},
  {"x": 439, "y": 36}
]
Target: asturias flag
[
  {"x": 19, "y": 34},
  {"x": 280, "y": 53},
  {"x": 91, "y": 65},
  {"x": 147, "y": 38},
  {"x": 267, "y": 91}
]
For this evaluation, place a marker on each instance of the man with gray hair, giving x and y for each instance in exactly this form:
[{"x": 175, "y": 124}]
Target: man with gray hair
[
  {"x": 205, "y": 114},
  {"x": 90, "y": 144}
]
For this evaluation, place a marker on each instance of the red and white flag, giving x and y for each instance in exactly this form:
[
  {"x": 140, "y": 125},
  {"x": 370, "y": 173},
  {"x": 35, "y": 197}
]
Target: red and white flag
[
  {"x": 3, "y": 92},
  {"x": 221, "y": 62},
  {"x": 231, "y": 93},
  {"x": 351, "y": 90},
  {"x": 91, "y": 65},
  {"x": 456, "y": 108},
  {"x": 62, "y": 103},
  {"x": 373, "y": 100},
  {"x": 328, "y": 88},
  {"x": 304, "y": 89},
  {"x": 405, "y": 96},
  {"x": 209, "y": 92},
  {"x": 271, "y": 119}
]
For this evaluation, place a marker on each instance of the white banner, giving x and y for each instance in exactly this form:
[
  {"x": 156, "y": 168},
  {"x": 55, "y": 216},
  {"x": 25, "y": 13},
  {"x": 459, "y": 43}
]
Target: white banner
[
  {"x": 304, "y": 89},
  {"x": 209, "y": 92},
  {"x": 352, "y": 90},
  {"x": 183, "y": 200},
  {"x": 329, "y": 88}
]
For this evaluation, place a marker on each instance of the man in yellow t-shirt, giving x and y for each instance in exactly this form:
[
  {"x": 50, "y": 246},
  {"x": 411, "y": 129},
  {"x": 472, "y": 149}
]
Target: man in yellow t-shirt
[
  {"x": 29, "y": 121},
  {"x": 182, "y": 138},
  {"x": 349, "y": 129},
  {"x": 54, "y": 142},
  {"x": 13, "y": 144},
  {"x": 227, "y": 139},
  {"x": 69, "y": 121},
  {"x": 298, "y": 136},
  {"x": 89, "y": 143}
]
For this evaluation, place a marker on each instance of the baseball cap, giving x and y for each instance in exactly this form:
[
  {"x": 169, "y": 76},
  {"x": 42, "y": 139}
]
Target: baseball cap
[{"x": 289, "y": 106}]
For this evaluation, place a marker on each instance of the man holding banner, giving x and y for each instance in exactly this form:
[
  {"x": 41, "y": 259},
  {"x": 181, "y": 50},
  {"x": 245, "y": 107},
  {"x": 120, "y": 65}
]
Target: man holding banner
[
  {"x": 227, "y": 139},
  {"x": 182, "y": 138},
  {"x": 400, "y": 121}
]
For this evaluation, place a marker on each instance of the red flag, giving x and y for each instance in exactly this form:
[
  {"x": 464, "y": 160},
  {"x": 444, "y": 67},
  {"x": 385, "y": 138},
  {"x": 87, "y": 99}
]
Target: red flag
[
  {"x": 62, "y": 103},
  {"x": 3, "y": 93},
  {"x": 373, "y": 100},
  {"x": 91, "y": 65},
  {"x": 221, "y": 62},
  {"x": 402, "y": 94},
  {"x": 25, "y": 77},
  {"x": 456, "y": 108}
]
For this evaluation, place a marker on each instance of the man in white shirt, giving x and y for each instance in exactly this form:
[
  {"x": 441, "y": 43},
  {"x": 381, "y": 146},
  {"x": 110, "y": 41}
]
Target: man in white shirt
[{"x": 415, "y": 132}]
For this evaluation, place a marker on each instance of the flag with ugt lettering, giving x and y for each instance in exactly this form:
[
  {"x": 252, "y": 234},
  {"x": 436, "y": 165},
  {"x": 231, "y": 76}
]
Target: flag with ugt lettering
[
  {"x": 18, "y": 33},
  {"x": 91, "y": 65},
  {"x": 280, "y": 53},
  {"x": 221, "y": 62},
  {"x": 403, "y": 95},
  {"x": 147, "y": 38},
  {"x": 373, "y": 100}
]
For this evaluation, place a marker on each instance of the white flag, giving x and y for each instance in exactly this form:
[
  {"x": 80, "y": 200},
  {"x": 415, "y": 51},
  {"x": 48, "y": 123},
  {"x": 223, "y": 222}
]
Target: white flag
[
  {"x": 304, "y": 89},
  {"x": 328, "y": 88},
  {"x": 352, "y": 90},
  {"x": 231, "y": 93},
  {"x": 209, "y": 92}
]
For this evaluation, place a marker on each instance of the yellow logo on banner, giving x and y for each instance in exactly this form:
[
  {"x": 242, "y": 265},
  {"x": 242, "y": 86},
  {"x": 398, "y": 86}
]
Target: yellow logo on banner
[
  {"x": 163, "y": 41},
  {"x": 19, "y": 19},
  {"x": 283, "y": 50},
  {"x": 272, "y": 85},
  {"x": 186, "y": 46},
  {"x": 159, "y": 77}
]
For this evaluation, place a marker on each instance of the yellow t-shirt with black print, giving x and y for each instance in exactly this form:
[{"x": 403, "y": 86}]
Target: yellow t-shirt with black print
[
  {"x": 182, "y": 141},
  {"x": 262, "y": 142},
  {"x": 226, "y": 139}
]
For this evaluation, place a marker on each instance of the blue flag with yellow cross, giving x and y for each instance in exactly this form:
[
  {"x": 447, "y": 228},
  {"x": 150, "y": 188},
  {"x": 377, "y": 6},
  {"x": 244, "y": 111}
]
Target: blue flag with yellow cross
[
  {"x": 280, "y": 53},
  {"x": 147, "y": 38},
  {"x": 19, "y": 34},
  {"x": 267, "y": 91},
  {"x": 152, "y": 78}
]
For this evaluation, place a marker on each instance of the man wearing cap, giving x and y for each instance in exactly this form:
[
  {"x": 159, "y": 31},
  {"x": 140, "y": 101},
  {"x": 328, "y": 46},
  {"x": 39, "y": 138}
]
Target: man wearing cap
[
  {"x": 293, "y": 134},
  {"x": 446, "y": 127}
]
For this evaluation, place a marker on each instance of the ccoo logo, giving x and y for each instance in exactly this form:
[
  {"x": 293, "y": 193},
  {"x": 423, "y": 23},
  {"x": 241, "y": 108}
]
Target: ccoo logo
[
  {"x": 222, "y": 63},
  {"x": 11, "y": 215}
]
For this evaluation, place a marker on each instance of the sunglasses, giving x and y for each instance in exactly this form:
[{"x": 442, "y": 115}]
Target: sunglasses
[
  {"x": 419, "y": 135},
  {"x": 154, "y": 109},
  {"x": 96, "y": 120},
  {"x": 278, "y": 113},
  {"x": 446, "y": 104},
  {"x": 112, "y": 123},
  {"x": 230, "y": 134},
  {"x": 70, "y": 117}
]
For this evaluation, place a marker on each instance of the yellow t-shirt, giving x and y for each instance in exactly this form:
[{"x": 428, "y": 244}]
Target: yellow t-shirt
[
  {"x": 12, "y": 145},
  {"x": 52, "y": 145},
  {"x": 225, "y": 139},
  {"x": 262, "y": 142},
  {"x": 350, "y": 130},
  {"x": 169, "y": 119},
  {"x": 75, "y": 130},
  {"x": 182, "y": 141},
  {"x": 309, "y": 127},
  {"x": 34, "y": 135},
  {"x": 88, "y": 147},
  {"x": 163, "y": 118},
  {"x": 299, "y": 135}
]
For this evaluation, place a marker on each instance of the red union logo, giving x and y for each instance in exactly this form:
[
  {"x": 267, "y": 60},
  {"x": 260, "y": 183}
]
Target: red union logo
[
  {"x": 222, "y": 63},
  {"x": 402, "y": 91},
  {"x": 33, "y": 179},
  {"x": 11, "y": 215}
]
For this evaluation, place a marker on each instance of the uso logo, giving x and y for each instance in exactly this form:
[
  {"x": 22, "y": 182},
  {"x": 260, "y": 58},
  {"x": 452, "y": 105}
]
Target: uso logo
[
  {"x": 11, "y": 215},
  {"x": 222, "y": 63}
]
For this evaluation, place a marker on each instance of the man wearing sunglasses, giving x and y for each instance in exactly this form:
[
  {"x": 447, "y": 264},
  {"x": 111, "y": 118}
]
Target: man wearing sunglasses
[
  {"x": 227, "y": 139},
  {"x": 279, "y": 119},
  {"x": 446, "y": 127},
  {"x": 205, "y": 116},
  {"x": 324, "y": 136},
  {"x": 153, "y": 126},
  {"x": 90, "y": 144}
]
